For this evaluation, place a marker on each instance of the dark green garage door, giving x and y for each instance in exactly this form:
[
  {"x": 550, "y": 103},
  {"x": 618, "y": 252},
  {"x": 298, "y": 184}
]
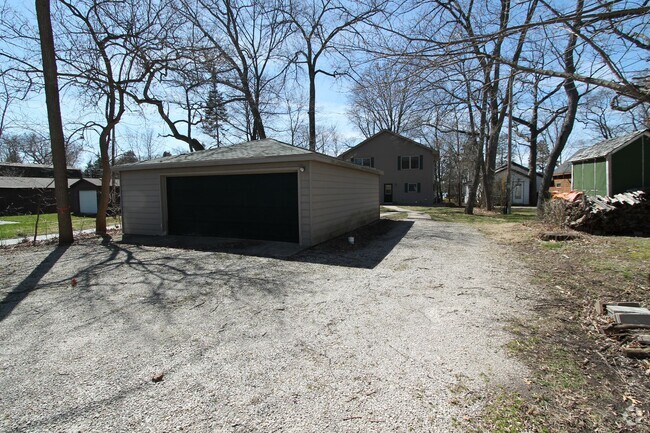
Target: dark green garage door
[{"x": 256, "y": 206}]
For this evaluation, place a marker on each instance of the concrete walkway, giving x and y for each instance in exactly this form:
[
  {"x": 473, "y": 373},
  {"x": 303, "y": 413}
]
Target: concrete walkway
[{"x": 410, "y": 214}]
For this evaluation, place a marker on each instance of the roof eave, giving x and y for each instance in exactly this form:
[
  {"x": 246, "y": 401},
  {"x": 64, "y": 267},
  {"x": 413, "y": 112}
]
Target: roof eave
[{"x": 244, "y": 161}]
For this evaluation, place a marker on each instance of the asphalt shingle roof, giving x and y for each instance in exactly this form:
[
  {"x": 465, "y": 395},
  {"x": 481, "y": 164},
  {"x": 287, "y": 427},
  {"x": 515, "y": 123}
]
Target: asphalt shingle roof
[
  {"x": 13, "y": 182},
  {"x": 606, "y": 147},
  {"x": 250, "y": 149}
]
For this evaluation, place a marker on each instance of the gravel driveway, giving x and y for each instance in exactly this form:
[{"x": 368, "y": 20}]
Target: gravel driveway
[{"x": 255, "y": 344}]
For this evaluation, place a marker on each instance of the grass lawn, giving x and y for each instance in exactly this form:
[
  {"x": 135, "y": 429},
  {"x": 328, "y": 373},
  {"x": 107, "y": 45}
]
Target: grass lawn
[
  {"x": 457, "y": 214},
  {"x": 47, "y": 224},
  {"x": 579, "y": 380},
  {"x": 576, "y": 371}
]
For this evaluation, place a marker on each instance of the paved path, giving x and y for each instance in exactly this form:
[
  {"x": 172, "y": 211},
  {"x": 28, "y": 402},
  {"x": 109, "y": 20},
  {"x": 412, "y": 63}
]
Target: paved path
[
  {"x": 251, "y": 344},
  {"x": 410, "y": 214}
]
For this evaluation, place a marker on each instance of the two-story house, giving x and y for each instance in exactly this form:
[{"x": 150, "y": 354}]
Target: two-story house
[{"x": 408, "y": 166}]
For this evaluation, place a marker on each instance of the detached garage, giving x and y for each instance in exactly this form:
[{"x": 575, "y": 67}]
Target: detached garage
[{"x": 263, "y": 189}]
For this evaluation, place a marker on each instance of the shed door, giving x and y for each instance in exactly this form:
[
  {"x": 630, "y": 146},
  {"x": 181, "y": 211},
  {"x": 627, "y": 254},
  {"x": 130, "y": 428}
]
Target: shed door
[
  {"x": 252, "y": 206},
  {"x": 88, "y": 202}
]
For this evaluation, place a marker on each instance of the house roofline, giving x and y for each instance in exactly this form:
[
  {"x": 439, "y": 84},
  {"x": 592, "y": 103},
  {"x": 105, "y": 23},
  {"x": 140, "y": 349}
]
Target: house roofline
[
  {"x": 387, "y": 131},
  {"x": 243, "y": 161}
]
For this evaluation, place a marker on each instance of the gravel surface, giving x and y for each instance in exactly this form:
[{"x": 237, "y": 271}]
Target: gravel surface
[{"x": 256, "y": 344}]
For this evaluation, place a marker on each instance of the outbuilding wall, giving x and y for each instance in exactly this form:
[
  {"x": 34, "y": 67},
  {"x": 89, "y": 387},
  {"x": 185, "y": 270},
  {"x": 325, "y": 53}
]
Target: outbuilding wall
[
  {"x": 631, "y": 166},
  {"x": 590, "y": 177},
  {"x": 342, "y": 199},
  {"x": 332, "y": 199}
]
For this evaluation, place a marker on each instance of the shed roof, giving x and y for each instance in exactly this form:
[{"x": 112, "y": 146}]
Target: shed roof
[
  {"x": 94, "y": 181},
  {"x": 515, "y": 167},
  {"x": 250, "y": 152},
  {"x": 19, "y": 182},
  {"x": 564, "y": 168},
  {"x": 394, "y": 134},
  {"x": 607, "y": 147}
]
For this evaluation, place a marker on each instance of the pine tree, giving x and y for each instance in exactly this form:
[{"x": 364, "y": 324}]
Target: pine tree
[{"x": 215, "y": 114}]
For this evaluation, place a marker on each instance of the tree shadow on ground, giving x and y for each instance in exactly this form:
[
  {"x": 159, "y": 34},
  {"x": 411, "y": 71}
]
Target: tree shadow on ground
[
  {"x": 25, "y": 287},
  {"x": 372, "y": 243}
]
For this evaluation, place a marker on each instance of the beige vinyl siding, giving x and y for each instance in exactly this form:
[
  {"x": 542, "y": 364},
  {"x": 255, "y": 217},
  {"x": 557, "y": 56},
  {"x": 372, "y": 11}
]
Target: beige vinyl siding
[
  {"x": 342, "y": 199},
  {"x": 144, "y": 201},
  {"x": 141, "y": 204}
]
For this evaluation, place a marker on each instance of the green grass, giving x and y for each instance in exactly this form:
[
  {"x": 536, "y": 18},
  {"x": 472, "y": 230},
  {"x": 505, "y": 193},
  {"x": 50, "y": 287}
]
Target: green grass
[
  {"x": 457, "y": 214},
  {"x": 552, "y": 245},
  {"x": 47, "y": 224}
]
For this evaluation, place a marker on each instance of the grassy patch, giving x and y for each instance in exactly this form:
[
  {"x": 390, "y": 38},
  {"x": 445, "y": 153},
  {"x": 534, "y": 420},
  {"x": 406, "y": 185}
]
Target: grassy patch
[
  {"x": 579, "y": 380},
  {"x": 396, "y": 215},
  {"x": 47, "y": 224},
  {"x": 457, "y": 214},
  {"x": 508, "y": 412},
  {"x": 552, "y": 245}
]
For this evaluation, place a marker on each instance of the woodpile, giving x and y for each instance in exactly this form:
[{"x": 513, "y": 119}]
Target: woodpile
[
  {"x": 624, "y": 214},
  {"x": 629, "y": 323}
]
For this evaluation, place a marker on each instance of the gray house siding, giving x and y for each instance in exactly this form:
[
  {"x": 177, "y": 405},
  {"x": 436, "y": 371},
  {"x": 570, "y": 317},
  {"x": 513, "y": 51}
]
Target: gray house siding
[
  {"x": 409, "y": 186},
  {"x": 341, "y": 200}
]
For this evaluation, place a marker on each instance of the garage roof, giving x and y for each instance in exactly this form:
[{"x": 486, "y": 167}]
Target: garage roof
[{"x": 250, "y": 152}]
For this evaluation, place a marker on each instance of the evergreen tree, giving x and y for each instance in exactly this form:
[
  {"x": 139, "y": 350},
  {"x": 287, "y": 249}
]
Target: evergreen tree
[{"x": 214, "y": 114}]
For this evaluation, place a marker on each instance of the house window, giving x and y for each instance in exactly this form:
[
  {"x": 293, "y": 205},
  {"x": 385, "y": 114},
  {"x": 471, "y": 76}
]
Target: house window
[
  {"x": 410, "y": 162},
  {"x": 366, "y": 162},
  {"x": 412, "y": 187}
]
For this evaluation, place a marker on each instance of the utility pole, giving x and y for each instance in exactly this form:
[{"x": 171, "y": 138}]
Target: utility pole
[{"x": 54, "y": 120}]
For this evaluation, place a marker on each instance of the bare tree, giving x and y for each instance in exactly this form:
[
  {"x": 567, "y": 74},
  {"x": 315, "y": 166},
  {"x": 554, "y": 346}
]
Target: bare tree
[
  {"x": 242, "y": 43},
  {"x": 101, "y": 61},
  {"x": 536, "y": 117},
  {"x": 54, "y": 119},
  {"x": 318, "y": 26},
  {"x": 573, "y": 98},
  {"x": 388, "y": 96},
  {"x": 35, "y": 148}
]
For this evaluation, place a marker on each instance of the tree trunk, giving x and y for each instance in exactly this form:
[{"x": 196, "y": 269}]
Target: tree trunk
[
  {"x": 532, "y": 155},
  {"x": 54, "y": 120},
  {"x": 573, "y": 97},
  {"x": 476, "y": 179},
  {"x": 312, "y": 108},
  {"x": 100, "y": 221}
]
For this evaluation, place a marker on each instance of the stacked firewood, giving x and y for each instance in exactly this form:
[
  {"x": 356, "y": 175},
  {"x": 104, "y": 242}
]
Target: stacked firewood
[{"x": 626, "y": 213}]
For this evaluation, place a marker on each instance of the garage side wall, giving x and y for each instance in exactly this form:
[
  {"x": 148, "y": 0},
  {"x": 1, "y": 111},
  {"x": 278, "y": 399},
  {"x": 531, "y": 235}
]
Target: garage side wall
[
  {"x": 141, "y": 202},
  {"x": 342, "y": 199}
]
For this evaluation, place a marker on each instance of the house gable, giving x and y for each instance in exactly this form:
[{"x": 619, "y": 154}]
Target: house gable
[{"x": 408, "y": 167}]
